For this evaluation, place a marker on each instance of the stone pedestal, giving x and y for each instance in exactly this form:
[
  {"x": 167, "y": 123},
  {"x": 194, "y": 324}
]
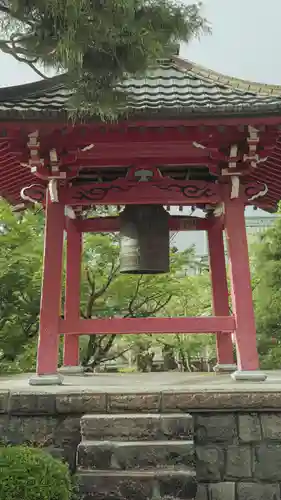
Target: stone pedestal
[
  {"x": 251, "y": 376},
  {"x": 221, "y": 368},
  {"x": 71, "y": 370},
  {"x": 55, "y": 379}
]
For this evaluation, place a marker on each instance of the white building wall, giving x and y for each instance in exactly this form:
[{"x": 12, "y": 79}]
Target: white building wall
[{"x": 256, "y": 221}]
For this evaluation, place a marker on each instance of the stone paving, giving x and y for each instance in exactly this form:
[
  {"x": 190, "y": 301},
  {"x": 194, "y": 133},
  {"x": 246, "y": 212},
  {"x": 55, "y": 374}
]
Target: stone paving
[{"x": 146, "y": 383}]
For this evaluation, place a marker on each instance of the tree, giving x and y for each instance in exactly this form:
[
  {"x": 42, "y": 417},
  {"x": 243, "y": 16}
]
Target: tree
[
  {"x": 266, "y": 264},
  {"x": 97, "y": 44},
  {"x": 193, "y": 299},
  {"x": 106, "y": 293},
  {"x": 21, "y": 246}
]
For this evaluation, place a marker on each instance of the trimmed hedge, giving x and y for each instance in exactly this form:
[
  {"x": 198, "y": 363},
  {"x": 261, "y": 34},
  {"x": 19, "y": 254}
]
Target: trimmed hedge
[{"x": 32, "y": 474}]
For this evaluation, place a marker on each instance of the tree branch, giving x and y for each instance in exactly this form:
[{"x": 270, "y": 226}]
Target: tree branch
[
  {"x": 104, "y": 350},
  {"x": 145, "y": 300},
  {"x": 11, "y": 13},
  {"x": 8, "y": 50},
  {"x": 110, "y": 278},
  {"x": 159, "y": 306},
  {"x": 117, "y": 355},
  {"x": 98, "y": 352},
  {"x": 130, "y": 306},
  {"x": 94, "y": 295},
  {"x": 91, "y": 299}
]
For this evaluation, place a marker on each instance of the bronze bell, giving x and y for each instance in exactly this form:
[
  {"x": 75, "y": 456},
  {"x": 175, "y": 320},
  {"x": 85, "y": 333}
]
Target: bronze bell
[{"x": 144, "y": 240}]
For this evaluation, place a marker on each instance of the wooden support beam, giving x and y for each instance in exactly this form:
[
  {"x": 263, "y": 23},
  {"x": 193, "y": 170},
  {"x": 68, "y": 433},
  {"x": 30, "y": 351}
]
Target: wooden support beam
[
  {"x": 72, "y": 291},
  {"x": 123, "y": 192},
  {"x": 163, "y": 191},
  {"x": 120, "y": 152},
  {"x": 241, "y": 290},
  {"x": 148, "y": 325},
  {"x": 50, "y": 308},
  {"x": 112, "y": 224},
  {"x": 219, "y": 289}
]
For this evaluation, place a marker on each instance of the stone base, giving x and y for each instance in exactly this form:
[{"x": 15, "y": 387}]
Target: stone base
[
  {"x": 54, "y": 379},
  {"x": 220, "y": 368},
  {"x": 251, "y": 375},
  {"x": 71, "y": 370}
]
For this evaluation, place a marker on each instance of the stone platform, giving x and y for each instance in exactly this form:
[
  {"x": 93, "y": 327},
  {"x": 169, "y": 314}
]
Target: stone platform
[
  {"x": 150, "y": 392},
  {"x": 233, "y": 427}
]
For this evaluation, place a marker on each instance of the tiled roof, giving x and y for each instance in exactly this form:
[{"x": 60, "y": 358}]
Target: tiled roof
[{"x": 174, "y": 87}]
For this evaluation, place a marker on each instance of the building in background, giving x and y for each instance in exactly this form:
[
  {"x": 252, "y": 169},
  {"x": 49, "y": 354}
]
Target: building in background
[{"x": 256, "y": 221}]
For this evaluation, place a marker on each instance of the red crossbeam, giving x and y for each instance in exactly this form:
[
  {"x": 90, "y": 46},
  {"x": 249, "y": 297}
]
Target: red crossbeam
[
  {"x": 148, "y": 325},
  {"x": 112, "y": 224},
  {"x": 123, "y": 192}
]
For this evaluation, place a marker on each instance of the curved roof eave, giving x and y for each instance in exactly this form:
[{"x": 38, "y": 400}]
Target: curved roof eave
[
  {"x": 174, "y": 87},
  {"x": 226, "y": 80}
]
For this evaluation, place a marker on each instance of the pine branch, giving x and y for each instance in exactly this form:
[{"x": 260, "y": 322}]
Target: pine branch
[
  {"x": 14, "y": 15},
  {"x": 97, "y": 46},
  {"x": 8, "y": 50}
]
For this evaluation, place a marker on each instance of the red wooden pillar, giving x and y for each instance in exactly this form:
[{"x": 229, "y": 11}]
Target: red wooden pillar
[
  {"x": 241, "y": 291},
  {"x": 225, "y": 359},
  {"x": 50, "y": 309},
  {"x": 72, "y": 291}
]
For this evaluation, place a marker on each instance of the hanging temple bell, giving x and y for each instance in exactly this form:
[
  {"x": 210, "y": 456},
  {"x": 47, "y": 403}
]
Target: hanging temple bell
[{"x": 144, "y": 240}]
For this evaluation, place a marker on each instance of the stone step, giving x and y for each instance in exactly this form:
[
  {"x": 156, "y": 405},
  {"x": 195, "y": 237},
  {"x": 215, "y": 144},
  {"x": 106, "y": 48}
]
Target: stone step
[
  {"x": 136, "y": 485},
  {"x": 136, "y": 426},
  {"x": 135, "y": 454}
]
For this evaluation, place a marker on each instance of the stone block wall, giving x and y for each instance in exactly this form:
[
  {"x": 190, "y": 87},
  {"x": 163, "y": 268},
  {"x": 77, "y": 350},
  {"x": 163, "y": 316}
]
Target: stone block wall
[
  {"x": 237, "y": 438},
  {"x": 50, "y": 421},
  {"x": 238, "y": 455}
]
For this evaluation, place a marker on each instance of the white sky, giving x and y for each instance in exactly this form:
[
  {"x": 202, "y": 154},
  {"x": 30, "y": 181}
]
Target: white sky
[
  {"x": 246, "y": 39},
  {"x": 245, "y": 43}
]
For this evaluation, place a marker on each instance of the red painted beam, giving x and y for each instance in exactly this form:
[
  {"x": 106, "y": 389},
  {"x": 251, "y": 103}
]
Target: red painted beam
[
  {"x": 122, "y": 161},
  {"x": 50, "y": 307},
  {"x": 241, "y": 290},
  {"x": 72, "y": 291},
  {"x": 122, "y": 192},
  {"x": 123, "y": 151},
  {"x": 148, "y": 325},
  {"x": 111, "y": 224},
  {"x": 203, "y": 121},
  {"x": 219, "y": 289},
  {"x": 128, "y": 134}
]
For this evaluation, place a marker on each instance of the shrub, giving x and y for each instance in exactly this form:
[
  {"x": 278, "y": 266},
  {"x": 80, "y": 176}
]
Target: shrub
[{"x": 32, "y": 474}]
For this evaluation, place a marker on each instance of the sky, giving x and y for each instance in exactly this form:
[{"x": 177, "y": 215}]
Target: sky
[
  {"x": 246, "y": 39},
  {"x": 245, "y": 43}
]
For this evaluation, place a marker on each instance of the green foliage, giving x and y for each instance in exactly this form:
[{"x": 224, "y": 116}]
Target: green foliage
[
  {"x": 99, "y": 43},
  {"x": 266, "y": 265},
  {"x": 21, "y": 246},
  {"x": 191, "y": 297},
  {"x": 104, "y": 293},
  {"x": 32, "y": 474}
]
